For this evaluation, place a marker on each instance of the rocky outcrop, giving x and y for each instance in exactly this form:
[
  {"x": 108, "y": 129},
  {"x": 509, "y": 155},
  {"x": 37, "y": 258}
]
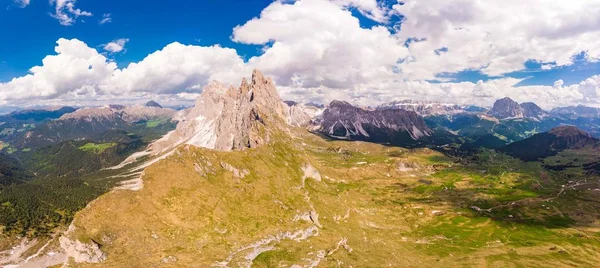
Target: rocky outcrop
[
  {"x": 299, "y": 114},
  {"x": 506, "y": 108},
  {"x": 342, "y": 120},
  {"x": 82, "y": 252},
  {"x": 532, "y": 110},
  {"x": 228, "y": 118}
]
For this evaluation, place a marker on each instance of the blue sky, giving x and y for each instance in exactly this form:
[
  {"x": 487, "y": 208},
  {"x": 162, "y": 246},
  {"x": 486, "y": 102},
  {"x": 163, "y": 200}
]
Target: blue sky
[
  {"x": 149, "y": 25},
  {"x": 363, "y": 51}
]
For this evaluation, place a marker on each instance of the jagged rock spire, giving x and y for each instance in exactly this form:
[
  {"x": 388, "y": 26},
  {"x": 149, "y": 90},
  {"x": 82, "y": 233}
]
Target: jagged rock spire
[{"x": 228, "y": 118}]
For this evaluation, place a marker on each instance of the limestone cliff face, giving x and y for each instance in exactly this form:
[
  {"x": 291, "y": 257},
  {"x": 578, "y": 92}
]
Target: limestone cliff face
[
  {"x": 343, "y": 120},
  {"x": 228, "y": 118}
]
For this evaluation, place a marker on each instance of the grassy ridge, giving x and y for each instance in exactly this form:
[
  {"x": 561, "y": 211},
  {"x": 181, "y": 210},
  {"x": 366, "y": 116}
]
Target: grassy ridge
[
  {"x": 96, "y": 148},
  {"x": 376, "y": 205}
]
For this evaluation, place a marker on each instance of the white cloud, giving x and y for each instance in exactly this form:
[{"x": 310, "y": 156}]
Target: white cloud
[
  {"x": 316, "y": 43},
  {"x": 106, "y": 18},
  {"x": 181, "y": 68},
  {"x": 368, "y": 8},
  {"x": 76, "y": 69},
  {"x": 21, "y": 3},
  {"x": 317, "y": 51},
  {"x": 497, "y": 37},
  {"x": 116, "y": 46},
  {"x": 66, "y": 13},
  {"x": 79, "y": 74}
]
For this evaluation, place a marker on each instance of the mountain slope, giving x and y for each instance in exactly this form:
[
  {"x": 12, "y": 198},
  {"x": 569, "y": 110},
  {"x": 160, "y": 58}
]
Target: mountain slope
[
  {"x": 295, "y": 199},
  {"x": 311, "y": 202},
  {"x": 550, "y": 143},
  {"x": 12, "y": 172},
  {"x": 532, "y": 110},
  {"x": 94, "y": 124}
]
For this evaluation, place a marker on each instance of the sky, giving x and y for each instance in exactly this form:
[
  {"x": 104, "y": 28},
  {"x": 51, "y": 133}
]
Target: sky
[{"x": 84, "y": 52}]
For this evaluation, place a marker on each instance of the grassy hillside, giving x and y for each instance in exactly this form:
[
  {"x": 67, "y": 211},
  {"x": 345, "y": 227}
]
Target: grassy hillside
[
  {"x": 42, "y": 190},
  {"x": 310, "y": 201}
]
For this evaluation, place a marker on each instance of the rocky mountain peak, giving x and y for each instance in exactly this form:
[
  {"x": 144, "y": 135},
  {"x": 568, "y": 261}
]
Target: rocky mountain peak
[
  {"x": 339, "y": 104},
  {"x": 343, "y": 120},
  {"x": 228, "y": 118},
  {"x": 153, "y": 104},
  {"x": 507, "y": 108},
  {"x": 300, "y": 114},
  {"x": 532, "y": 110}
]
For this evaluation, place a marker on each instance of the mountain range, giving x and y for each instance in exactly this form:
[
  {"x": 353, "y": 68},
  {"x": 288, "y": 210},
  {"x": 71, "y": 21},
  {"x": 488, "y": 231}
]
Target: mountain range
[{"x": 245, "y": 179}]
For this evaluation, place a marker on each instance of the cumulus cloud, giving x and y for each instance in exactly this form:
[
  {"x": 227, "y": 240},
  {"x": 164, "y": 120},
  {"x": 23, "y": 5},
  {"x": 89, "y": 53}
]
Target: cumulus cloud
[
  {"x": 106, "y": 18},
  {"x": 76, "y": 69},
  {"x": 116, "y": 46},
  {"x": 21, "y": 3},
  {"x": 78, "y": 72},
  {"x": 496, "y": 37},
  {"x": 66, "y": 13},
  {"x": 316, "y": 50},
  {"x": 181, "y": 68},
  {"x": 317, "y": 43},
  {"x": 368, "y": 8}
]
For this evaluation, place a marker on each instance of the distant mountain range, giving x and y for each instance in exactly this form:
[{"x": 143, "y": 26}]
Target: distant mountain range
[
  {"x": 74, "y": 141},
  {"x": 430, "y": 123},
  {"x": 287, "y": 168},
  {"x": 427, "y": 108}
]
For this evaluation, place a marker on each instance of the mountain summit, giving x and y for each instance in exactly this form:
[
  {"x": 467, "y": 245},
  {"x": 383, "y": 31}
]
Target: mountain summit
[
  {"x": 343, "y": 120},
  {"x": 507, "y": 108},
  {"x": 532, "y": 110},
  {"x": 228, "y": 118},
  {"x": 153, "y": 104}
]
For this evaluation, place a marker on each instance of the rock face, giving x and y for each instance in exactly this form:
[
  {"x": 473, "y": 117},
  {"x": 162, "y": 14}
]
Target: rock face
[
  {"x": 343, "y": 120},
  {"x": 300, "y": 114},
  {"x": 507, "y": 108},
  {"x": 424, "y": 108},
  {"x": 532, "y": 110},
  {"x": 82, "y": 252},
  {"x": 550, "y": 143},
  {"x": 227, "y": 118}
]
